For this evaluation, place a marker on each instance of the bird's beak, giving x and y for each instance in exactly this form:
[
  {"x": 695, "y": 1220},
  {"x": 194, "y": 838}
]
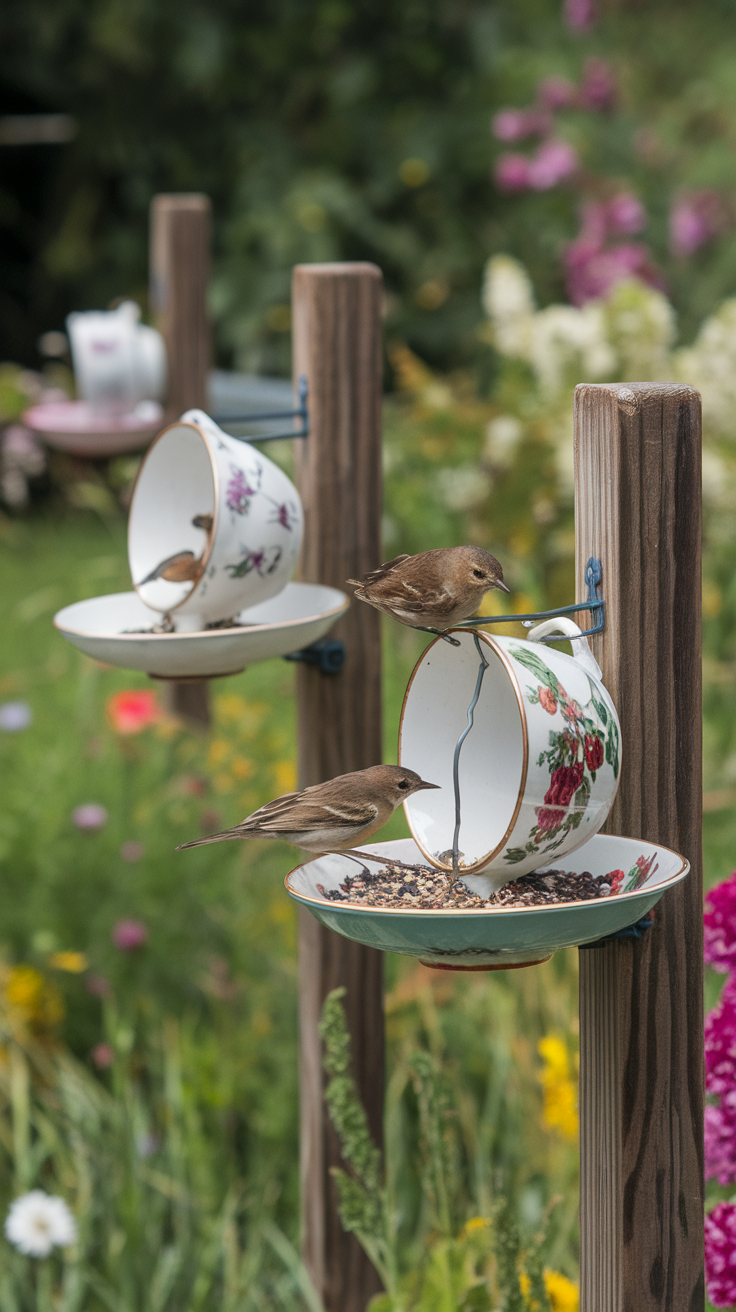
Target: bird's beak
[
  {"x": 422, "y": 785},
  {"x": 500, "y": 584}
]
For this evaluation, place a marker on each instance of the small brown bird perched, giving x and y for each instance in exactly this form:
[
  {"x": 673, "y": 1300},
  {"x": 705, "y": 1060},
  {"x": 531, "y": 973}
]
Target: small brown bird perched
[
  {"x": 184, "y": 567},
  {"x": 433, "y": 590},
  {"x": 329, "y": 817}
]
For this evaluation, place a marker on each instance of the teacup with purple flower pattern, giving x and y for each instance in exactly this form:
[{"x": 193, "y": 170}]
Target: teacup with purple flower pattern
[{"x": 221, "y": 508}]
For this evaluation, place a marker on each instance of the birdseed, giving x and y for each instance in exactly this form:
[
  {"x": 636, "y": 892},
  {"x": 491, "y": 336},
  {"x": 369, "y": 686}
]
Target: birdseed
[{"x": 426, "y": 889}]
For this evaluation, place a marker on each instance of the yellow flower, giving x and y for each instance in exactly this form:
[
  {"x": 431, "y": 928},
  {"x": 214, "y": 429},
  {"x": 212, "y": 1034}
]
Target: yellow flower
[
  {"x": 242, "y": 768},
  {"x": 285, "y": 776},
  {"x": 74, "y": 962},
  {"x": 563, "y": 1294},
  {"x": 560, "y": 1088},
  {"x": 30, "y": 999},
  {"x": 219, "y": 751},
  {"x": 476, "y": 1223}
]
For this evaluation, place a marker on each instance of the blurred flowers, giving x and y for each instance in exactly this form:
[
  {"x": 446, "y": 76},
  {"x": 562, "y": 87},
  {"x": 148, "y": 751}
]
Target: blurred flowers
[
  {"x": 15, "y": 716},
  {"x": 90, "y": 816},
  {"x": 73, "y": 962},
  {"x": 102, "y": 1056},
  {"x": 129, "y": 935},
  {"x": 720, "y": 1255},
  {"x": 560, "y": 1088},
  {"x": 131, "y": 712},
  {"x": 695, "y": 218},
  {"x": 132, "y": 851},
  {"x": 719, "y": 923},
  {"x": 32, "y": 1002},
  {"x": 563, "y": 1294},
  {"x": 38, "y": 1222}
]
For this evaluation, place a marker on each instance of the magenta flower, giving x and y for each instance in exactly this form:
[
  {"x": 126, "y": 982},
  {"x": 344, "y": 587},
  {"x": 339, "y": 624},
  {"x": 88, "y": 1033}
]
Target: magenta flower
[
  {"x": 129, "y": 935},
  {"x": 512, "y": 172},
  {"x": 592, "y": 272},
  {"x": 720, "y": 1042},
  {"x": 598, "y": 91},
  {"x": 90, "y": 816},
  {"x": 625, "y": 215},
  {"x": 516, "y": 124},
  {"x": 554, "y": 162},
  {"x": 579, "y": 15},
  {"x": 719, "y": 924},
  {"x": 720, "y": 1255},
  {"x": 720, "y": 1141},
  {"x": 556, "y": 93},
  {"x": 695, "y": 218}
]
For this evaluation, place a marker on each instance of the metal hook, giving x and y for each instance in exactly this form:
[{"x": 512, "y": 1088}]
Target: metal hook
[
  {"x": 301, "y": 413},
  {"x": 594, "y": 603},
  {"x": 456, "y": 758}
]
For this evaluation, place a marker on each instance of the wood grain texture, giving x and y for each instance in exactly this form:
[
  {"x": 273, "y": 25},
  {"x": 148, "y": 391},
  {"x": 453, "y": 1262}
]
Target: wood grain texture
[
  {"x": 337, "y": 345},
  {"x": 638, "y": 508},
  {"x": 179, "y": 275}
]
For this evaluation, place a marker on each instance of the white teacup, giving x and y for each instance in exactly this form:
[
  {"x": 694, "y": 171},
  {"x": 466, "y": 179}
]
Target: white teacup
[
  {"x": 539, "y": 769},
  {"x": 217, "y": 511},
  {"x": 117, "y": 360}
]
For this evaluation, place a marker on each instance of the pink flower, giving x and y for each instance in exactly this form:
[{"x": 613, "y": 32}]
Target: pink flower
[
  {"x": 131, "y": 712},
  {"x": 102, "y": 1055},
  {"x": 512, "y": 172},
  {"x": 625, "y": 214},
  {"x": 549, "y": 817},
  {"x": 516, "y": 124},
  {"x": 129, "y": 935},
  {"x": 91, "y": 816},
  {"x": 720, "y": 1255},
  {"x": 598, "y": 91},
  {"x": 591, "y": 272},
  {"x": 554, "y": 162},
  {"x": 720, "y": 1141},
  {"x": 720, "y": 1042},
  {"x": 547, "y": 700},
  {"x": 563, "y": 785},
  {"x": 695, "y": 218},
  {"x": 132, "y": 851},
  {"x": 556, "y": 93},
  {"x": 719, "y": 923},
  {"x": 98, "y": 986},
  {"x": 579, "y": 15}
]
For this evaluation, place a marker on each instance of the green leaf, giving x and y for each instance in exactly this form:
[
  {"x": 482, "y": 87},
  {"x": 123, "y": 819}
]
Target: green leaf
[{"x": 532, "y": 662}]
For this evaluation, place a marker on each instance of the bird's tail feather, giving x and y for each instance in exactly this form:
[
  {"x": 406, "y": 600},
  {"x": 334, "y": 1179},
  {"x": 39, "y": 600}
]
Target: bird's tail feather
[{"x": 212, "y": 838}]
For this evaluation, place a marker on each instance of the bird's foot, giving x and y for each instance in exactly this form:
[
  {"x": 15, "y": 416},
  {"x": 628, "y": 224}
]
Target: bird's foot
[{"x": 438, "y": 633}]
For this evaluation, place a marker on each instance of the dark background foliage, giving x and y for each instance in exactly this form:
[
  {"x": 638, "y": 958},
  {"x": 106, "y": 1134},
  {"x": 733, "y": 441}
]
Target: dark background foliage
[{"x": 327, "y": 129}]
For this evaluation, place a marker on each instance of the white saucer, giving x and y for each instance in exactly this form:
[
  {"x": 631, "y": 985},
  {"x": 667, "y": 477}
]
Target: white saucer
[{"x": 297, "y": 617}]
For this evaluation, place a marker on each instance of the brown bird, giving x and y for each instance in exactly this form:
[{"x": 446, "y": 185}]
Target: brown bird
[
  {"x": 332, "y": 816},
  {"x": 433, "y": 590},
  {"x": 184, "y": 567}
]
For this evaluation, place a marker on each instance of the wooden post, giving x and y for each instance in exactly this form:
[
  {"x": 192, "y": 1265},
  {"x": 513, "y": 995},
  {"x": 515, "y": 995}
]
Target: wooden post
[
  {"x": 638, "y": 508},
  {"x": 180, "y": 269},
  {"x": 337, "y": 345}
]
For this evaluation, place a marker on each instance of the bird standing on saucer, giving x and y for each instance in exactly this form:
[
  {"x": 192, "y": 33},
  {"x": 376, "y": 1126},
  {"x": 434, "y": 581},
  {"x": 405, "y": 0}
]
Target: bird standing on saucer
[
  {"x": 184, "y": 567},
  {"x": 433, "y": 590},
  {"x": 332, "y": 816}
]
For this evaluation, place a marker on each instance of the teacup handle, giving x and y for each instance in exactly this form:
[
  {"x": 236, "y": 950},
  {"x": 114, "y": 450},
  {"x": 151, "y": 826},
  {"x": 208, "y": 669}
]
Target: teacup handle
[{"x": 580, "y": 647}]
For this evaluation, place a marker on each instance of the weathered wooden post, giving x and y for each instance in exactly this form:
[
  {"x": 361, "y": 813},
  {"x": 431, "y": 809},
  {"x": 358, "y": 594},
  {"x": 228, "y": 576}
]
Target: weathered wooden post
[
  {"x": 337, "y": 346},
  {"x": 179, "y": 274},
  {"x": 638, "y": 508}
]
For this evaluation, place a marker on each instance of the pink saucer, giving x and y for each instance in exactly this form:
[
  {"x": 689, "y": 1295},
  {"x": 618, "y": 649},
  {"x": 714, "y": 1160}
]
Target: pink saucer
[{"x": 86, "y": 430}]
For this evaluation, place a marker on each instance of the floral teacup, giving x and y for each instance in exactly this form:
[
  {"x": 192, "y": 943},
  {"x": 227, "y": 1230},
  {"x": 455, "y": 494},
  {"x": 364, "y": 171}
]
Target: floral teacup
[
  {"x": 215, "y": 526},
  {"x": 539, "y": 769}
]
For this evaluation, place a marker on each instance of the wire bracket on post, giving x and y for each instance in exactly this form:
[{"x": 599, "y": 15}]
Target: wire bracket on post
[
  {"x": 328, "y": 655},
  {"x": 594, "y": 603},
  {"x": 301, "y": 413}
]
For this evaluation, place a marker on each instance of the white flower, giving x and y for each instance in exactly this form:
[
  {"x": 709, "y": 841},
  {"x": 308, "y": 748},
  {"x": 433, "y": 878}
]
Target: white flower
[
  {"x": 37, "y": 1222},
  {"x": 569, "y": 346},
  {"x": 502, "y": 438},
  {"x": 464, "y": 487},
  {"x": 509, "y": 303}
]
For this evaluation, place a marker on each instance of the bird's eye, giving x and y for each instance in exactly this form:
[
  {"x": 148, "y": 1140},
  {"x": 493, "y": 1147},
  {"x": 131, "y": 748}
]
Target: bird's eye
[
  {"x": 478, "y": 574},
  {"x": 403, "y": 784}
]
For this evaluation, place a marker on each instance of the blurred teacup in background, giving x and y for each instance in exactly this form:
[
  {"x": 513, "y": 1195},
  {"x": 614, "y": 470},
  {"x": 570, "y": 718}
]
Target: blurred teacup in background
[{"x": 118, "y": 361}]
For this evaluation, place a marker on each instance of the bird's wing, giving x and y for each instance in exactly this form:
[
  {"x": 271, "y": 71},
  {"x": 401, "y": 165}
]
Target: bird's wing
[
  {"x": 301, "y": 814},
  {"x": 396, "y": 593},
  {"x": 156, "y": 573},
  {"x": 380, "y": 573}
]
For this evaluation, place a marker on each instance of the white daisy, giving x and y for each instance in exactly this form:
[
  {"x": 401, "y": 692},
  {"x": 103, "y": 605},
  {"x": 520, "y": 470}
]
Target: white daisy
[{"x": 37, "y": 1222}]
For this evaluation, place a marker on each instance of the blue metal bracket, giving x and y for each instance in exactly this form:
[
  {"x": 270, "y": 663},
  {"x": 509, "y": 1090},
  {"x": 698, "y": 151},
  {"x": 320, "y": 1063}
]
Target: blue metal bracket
[
  {"x": 635, "y": 931},
  {"x": 594, "y": 603},
  {"x": 301, "y": 413},
  {"x": 328, "y": 655}
]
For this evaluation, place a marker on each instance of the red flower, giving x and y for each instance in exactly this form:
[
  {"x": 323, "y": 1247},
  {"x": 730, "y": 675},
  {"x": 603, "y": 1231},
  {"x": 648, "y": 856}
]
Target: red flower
[
  {"x": 549, "y": 817},
  {"x": 564, "y": 784},
  {"x": 617, "y": 878},
  {"x": 548, "y": 700},
  {"x": 593, "y": 751},
  {"x": 572, "y": 709},
  {"x": 130, "y": 712}
]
